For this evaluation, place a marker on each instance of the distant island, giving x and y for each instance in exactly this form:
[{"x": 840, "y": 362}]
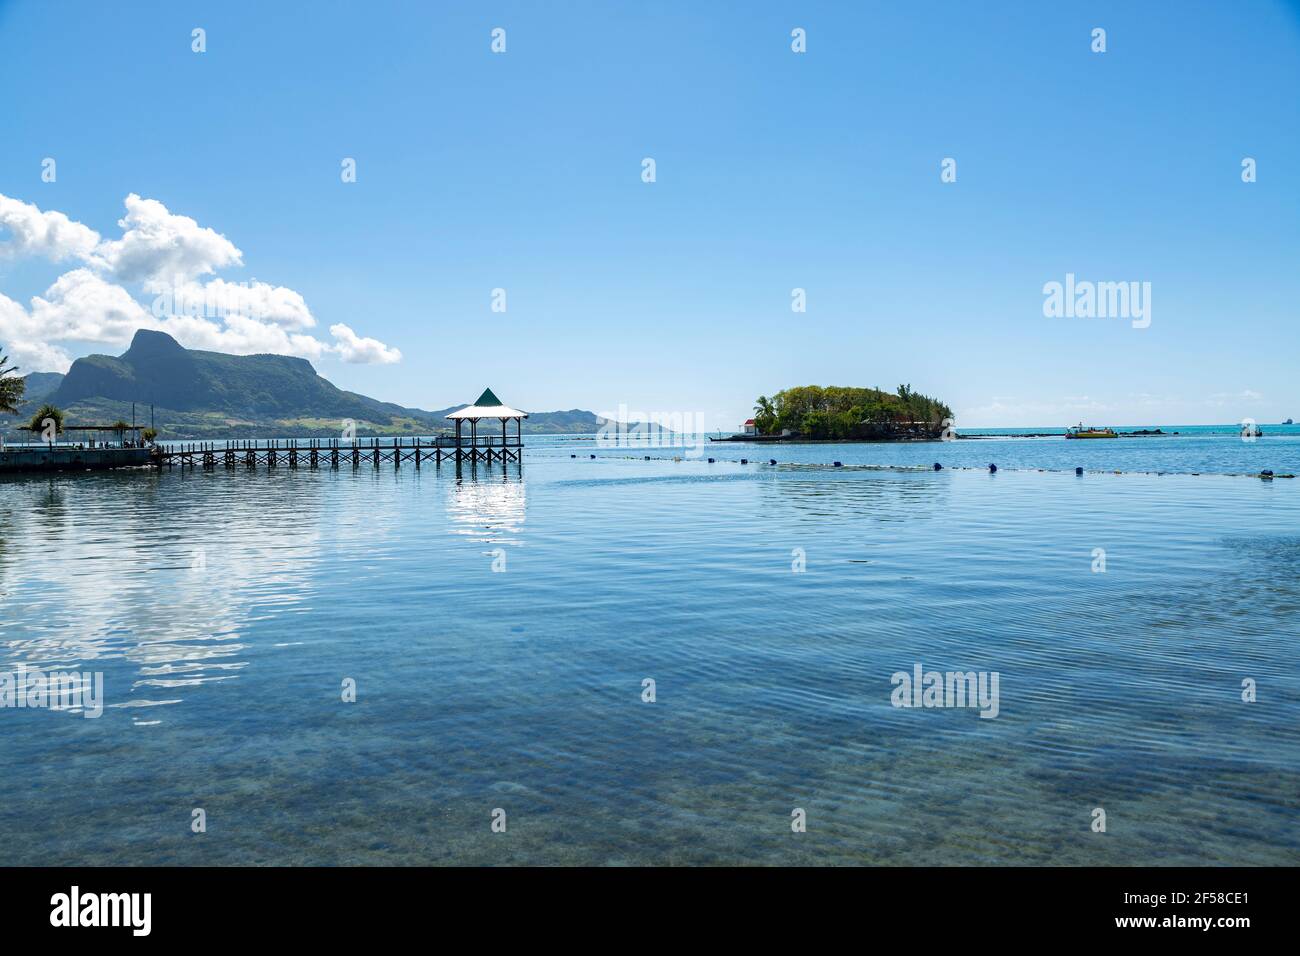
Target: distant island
[
  {"x": 841, "y": 413},
  {"x": 211, "y": 396}
]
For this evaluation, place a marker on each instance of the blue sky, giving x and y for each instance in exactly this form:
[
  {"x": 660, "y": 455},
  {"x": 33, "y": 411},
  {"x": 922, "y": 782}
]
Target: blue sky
[{"x": 775, "y": 171}]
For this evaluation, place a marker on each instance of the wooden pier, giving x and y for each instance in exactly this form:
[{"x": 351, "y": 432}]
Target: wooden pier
[
  {"x": 361, "y": 453},
  {"x": 336, "y": 453}
]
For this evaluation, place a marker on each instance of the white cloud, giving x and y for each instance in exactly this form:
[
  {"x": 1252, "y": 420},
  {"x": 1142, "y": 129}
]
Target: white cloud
[
  {"x": 167, "y": 254},
  {"x": 51, "y": 235},
  {"x": 352, "y": 348},
  {"x": 256, "y": 300},
  {"x": 1221, "y": 399},
  {"x": 240, "y": 335},
  {"x": 1006, "y": 410},
  {"x": 22, "y": 342},
  {"x": 159, "y": 245},
  {"x": 83, "y": 307}
]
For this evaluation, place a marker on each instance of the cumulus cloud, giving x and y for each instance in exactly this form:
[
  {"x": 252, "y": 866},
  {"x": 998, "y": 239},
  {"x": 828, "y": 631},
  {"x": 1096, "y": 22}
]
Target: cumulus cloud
[
  {"x": 240, "y": 336},
  {"x": 27, "y": 231},
  {"x": 157, "y": 244},
  {"x": 22, "y": 341},
  {"x": 352, "y": 348},
  {"x": 169, "y": 257},
  {"x": 83, "y": 307},
  {"x": 218, "y": 298}
]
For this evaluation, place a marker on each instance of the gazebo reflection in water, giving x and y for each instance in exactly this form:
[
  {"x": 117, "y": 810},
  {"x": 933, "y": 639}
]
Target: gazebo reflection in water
[{"x": 488, "y": 504}]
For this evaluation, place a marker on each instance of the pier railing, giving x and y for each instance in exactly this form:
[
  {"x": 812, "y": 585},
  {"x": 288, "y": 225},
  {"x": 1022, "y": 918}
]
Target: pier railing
[
  {"x": 71, "y": 445},
  {"x": 337, "y": 453},
  {"x": 302, "y": 444}
]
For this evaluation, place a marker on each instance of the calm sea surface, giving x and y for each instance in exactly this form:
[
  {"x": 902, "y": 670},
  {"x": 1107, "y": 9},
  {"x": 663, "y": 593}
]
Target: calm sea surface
[{"x": 226, "y": 610}]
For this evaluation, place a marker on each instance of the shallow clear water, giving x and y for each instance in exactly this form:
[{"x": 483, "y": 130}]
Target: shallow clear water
[{"x": 226, "y": 609}]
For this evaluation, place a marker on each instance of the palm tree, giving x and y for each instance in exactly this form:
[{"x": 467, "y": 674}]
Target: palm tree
[
  {"x": 11, "y": 387},
  {"x": 50, "y": 412},
  {"x": 764, "y": 414}
]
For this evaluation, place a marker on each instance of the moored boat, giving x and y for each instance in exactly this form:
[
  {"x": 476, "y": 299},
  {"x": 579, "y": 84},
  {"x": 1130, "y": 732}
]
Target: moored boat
[{"x": 1079, "y": 431}]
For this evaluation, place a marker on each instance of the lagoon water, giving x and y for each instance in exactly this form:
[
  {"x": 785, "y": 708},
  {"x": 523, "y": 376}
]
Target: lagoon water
[
  {"x": 1196, "y": 449},
  {"x": 226, "y": 609}
]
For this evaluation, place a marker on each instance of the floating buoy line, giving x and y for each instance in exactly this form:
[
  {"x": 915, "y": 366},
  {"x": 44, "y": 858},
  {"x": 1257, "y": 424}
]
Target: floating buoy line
[{"x": 991, "y": 468}]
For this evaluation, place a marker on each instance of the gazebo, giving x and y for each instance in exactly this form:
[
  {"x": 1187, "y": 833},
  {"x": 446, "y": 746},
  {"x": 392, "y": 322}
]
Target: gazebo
[{"x": 489, "y": 406}]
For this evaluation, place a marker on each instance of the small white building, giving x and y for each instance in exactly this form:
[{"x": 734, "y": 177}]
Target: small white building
[{"x": 749, "y": 428}]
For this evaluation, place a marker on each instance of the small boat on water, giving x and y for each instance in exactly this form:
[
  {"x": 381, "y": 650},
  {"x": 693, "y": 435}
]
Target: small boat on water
[{"x": 1080, "y": 432}]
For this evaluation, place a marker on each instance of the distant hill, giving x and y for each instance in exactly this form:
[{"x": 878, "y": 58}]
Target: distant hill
[
  {"x": 212, "y": 395},
  {"x": 40, "y": 385}
]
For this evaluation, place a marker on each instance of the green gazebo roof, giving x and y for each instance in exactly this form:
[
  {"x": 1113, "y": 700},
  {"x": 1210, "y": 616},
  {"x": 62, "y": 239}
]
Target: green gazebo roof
[{"x": 488, "y": 406}]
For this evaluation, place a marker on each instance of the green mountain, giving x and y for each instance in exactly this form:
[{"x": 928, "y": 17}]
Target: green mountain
[
  {"x": 40, "y": 385},
  {"x": 212, "y": 395}
]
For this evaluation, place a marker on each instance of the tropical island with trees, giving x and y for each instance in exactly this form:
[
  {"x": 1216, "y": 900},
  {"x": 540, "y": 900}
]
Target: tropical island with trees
[{"x": 845, "y": 414}]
